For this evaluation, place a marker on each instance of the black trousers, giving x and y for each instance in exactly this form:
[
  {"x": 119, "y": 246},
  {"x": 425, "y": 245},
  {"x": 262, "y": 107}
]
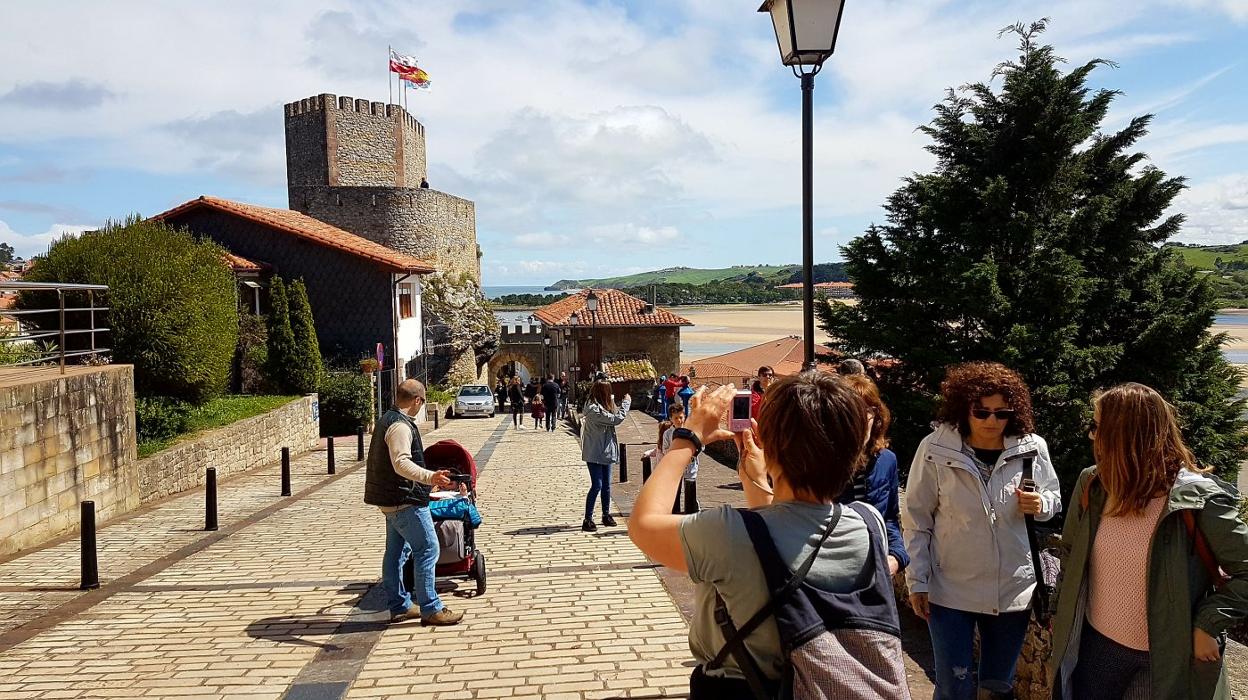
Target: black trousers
[{"x": 551, "y": 410}]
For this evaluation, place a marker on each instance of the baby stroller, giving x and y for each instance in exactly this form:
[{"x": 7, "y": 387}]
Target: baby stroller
[{"x": 459, "y": 557}]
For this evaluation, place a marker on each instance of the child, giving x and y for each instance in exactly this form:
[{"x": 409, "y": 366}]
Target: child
[
  {"x": 677, "y": 414},
  {"x": 656, "y": 453},
  {"x": 539, "y": 414}
]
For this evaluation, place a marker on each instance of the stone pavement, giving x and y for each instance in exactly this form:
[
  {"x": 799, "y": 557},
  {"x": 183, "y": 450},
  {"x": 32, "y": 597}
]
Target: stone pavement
[{"x": 280, "y": 602}]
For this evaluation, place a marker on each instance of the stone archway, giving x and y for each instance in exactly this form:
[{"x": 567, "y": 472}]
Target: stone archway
[{"x": 521, "y": 362}]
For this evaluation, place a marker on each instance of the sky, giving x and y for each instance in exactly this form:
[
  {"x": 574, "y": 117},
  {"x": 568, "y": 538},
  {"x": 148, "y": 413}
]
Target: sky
[{"x": 597, "y": 137}]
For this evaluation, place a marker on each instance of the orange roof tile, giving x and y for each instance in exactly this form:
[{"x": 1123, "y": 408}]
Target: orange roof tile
[
  {"x": 240, "y": 264},
  {"x": 307, "y": 228},
  {"x": 615, "y": 308},
  {"x": 783, "y": 355}
]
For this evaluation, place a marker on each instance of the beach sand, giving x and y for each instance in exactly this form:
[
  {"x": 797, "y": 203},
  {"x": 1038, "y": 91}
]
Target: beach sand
[{"x": 720, "y": 329}]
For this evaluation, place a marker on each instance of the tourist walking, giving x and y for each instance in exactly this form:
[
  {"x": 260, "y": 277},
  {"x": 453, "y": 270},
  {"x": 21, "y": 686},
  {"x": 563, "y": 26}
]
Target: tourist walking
[
  {"x": 500, "y": 392},
  {"x": 531, "y": 389},
  {"x": 677, "y": 414},
  {"x": 515, "y": 395},
  {"x": 793, "y": 465},
  {"x": 970, "y": 561},
  {"x": 564, "y": 389},
  {"x": 550, "y": 397},
  {"x": 766, "y": 375},
  {"x": 671, "y": 385},
  {"x": 397, "y": 482},
  {"x": 876, "y": 482},
  {"x": 1143, "y": 605},
  {"x": 539, "y": 414},
  {"x": 685, "y": 393},
  {"x": 600, "y": 448}
]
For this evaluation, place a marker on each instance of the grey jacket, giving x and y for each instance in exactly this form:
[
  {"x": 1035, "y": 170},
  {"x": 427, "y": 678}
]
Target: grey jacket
[{"x": 598, "y": 443}]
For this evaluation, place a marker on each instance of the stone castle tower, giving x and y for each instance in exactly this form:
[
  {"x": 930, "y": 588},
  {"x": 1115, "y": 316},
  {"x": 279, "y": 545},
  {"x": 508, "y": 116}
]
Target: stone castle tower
[{"x": 358, "y": 165}]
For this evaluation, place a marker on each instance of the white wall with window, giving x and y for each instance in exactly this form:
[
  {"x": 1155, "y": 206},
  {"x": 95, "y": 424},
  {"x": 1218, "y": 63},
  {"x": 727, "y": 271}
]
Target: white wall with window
[{"x": 409, "y": 336}]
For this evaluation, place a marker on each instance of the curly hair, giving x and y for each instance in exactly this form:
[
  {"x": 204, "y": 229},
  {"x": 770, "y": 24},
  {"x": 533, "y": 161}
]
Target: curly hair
[{"x": 966, "y": 384}]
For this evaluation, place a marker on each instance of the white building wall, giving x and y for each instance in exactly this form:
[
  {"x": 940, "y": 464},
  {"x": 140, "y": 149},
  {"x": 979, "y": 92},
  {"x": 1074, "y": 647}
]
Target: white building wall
[{"x": 411, "y": 331}]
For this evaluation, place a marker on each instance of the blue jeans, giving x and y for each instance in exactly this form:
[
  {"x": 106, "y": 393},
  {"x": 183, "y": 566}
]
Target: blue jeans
[
  {"x": 410, "y": 533},
  {"x": 953, "y": 637},
  {"x": 599, "y": 482}
]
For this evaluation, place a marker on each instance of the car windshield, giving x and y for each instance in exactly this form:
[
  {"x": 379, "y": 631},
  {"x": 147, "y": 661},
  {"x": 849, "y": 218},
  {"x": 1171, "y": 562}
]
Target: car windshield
[{"x": 474, "y": 391}]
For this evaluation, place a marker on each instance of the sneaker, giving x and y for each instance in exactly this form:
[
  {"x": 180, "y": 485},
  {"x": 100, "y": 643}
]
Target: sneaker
[
  {"x": 442, "y": 618},
  {"x": 412, "y": 613},
  {"x": 608, "y": 521},
  {"x": 588, "y": 526}
]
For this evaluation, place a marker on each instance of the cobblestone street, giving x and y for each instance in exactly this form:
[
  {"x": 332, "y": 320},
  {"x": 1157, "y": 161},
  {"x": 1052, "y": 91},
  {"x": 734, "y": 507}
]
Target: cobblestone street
[{"x": 277, "y": 604}]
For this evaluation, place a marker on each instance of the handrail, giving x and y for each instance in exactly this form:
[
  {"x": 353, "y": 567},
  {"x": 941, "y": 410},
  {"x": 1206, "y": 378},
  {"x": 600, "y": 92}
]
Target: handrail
[
  {"x": 27, "y": 332},
  {"x": 54, "y": 286}
]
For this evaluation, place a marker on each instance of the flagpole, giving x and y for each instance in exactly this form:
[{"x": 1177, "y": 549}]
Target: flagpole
[{"x": 389, "y": 82}]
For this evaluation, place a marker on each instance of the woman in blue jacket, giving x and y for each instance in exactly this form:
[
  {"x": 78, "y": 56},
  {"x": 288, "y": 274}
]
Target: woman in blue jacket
[
  {"x": 876, "y": 482},
  {"x": 599, "y": 448}
]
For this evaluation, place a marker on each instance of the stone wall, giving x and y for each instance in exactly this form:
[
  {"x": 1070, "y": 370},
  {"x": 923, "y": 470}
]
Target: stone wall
[
  {"x": 662, "y": 344},
  {"x": 434, "y": 226},
  {"x": 64, "y": 439},
  {"x": 333, "y": 140},
  {"x": 237, "y": 447}
]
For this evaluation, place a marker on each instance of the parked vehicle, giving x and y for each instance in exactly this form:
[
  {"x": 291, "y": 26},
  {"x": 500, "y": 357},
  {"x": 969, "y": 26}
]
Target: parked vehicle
[{"x": 474, "y": 400}]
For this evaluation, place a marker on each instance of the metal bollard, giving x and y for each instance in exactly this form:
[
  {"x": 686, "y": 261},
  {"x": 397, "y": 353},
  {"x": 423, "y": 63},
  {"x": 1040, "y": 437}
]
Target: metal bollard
[
  {"x": 210, "y": 500},
  {"x": 329, "y": 453},
  {"x": 89, "y": 562},
  {"x": 285, "y": 471},
  {"x": 435, "y": 420},
  {"x": 359, "y": 444},
  {"x": 623, "y": 463},
  {"x": 645, "y": 469},
  {"x": 691, "y": 496},
  {"x": 676, "y": 501}
]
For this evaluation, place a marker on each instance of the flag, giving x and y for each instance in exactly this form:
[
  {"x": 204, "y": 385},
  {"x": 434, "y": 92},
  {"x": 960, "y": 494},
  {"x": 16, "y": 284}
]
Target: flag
[
  {"x": 416, "y": 79},
  {"x": 408, "y": 71}
]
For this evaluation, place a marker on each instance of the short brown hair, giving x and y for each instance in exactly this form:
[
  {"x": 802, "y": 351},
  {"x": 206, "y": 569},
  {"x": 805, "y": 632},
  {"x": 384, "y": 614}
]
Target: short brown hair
[
  {"x": 676, "y": 407},
  {"x": 866, "y": 388},
  {"x": 1138, "y": 447},
  {"x": 811, "y": 425},
  {"x": 969, "y": 383}
]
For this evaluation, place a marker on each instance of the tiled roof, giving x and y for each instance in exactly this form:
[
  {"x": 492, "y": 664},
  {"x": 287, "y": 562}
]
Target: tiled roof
[
  {"x": 240, "y": 264},
  {"x": 783, "y": 355},
  {"x": 615, "y": 309},
  {"x": 309, "y": 229},
  {"x": 630, "y": 370}
]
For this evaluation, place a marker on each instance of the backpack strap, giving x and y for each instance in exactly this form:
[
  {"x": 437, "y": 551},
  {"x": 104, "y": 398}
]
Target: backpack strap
[
  {"x": 774, "y": 569},
  {"x": 1032, "y": 540},
  {"x": 1197, "y": 536}
]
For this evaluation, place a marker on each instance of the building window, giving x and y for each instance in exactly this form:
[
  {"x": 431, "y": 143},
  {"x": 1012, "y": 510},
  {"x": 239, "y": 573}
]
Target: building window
[{"x": 405, "y": 302}]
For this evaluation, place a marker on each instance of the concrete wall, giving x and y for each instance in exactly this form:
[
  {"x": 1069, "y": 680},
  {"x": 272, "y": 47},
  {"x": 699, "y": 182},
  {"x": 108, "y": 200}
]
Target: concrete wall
[
  {"x": 64, "y": 439},
  {"x": 244, "y": 445}
]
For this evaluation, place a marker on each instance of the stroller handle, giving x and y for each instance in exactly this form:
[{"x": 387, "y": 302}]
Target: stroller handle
[{"x": 461, "y": 479}]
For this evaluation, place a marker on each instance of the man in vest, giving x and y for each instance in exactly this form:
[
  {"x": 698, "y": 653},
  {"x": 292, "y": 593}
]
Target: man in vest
[{"x": 397, "y": 482}]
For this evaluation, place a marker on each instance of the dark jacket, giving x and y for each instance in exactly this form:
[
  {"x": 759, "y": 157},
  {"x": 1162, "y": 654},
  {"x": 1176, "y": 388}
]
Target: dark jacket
[
  {"x": 881, "y": 479},
  {"x": 530, "y": 391},
  {"x": 383, "y": 486},
  {"x": 514, "y": 395},
  {"x": 1180, "y": 594},
  {"x": 550, "y": 393}
]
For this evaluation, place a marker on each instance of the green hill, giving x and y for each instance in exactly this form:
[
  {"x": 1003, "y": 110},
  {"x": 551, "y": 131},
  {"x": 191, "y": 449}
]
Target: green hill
[
  {"x": 1227, "y": 269},
  {"x": 756, "y": 274}
]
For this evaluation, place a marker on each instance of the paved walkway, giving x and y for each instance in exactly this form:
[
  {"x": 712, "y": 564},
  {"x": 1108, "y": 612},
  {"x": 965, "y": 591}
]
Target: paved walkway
[{"x": 280, "y": 602}]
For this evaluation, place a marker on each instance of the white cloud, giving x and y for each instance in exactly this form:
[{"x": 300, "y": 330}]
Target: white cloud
[
  {"x": 1216, "y": 211},
  {"x": 542, "y": 240},
  {"x": 31, "y": 244},
  {"x": 620, "y": 234}
]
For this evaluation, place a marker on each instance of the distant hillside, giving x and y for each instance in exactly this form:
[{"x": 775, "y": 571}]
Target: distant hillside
[
  {"x": 1226, "y": 267},
  {"x": 759, "y": 275}
]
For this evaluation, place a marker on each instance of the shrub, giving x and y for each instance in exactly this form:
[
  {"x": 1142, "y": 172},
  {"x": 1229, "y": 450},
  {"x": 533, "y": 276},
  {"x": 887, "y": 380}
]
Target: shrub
[
  {"x": 159, "y": 418},
  {"x": 305, "y": 360},
  {"x": 171, "y": 302},
  {"x": 281, "y": 339},
  {"x": 346, "y": 400},
  {"x": 253, "y": 355},
  {"x": 440, "y": 395}
]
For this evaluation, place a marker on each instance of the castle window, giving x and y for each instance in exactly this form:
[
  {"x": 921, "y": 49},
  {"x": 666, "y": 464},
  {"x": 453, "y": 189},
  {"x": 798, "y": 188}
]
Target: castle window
[{"x": 405, "y": 301}]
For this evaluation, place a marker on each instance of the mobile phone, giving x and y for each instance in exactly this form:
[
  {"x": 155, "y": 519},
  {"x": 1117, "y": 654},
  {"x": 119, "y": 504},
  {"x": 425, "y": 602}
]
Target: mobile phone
[
  {"x": 1027, "y": 486},
  {"x": 739, "y": 421}
]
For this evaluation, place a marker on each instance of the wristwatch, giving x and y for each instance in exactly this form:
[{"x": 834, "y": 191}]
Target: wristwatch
[{"x": 687, "y": 434}]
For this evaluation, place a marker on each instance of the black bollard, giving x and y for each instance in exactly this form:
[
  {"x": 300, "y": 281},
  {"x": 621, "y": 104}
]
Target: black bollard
[
  {"x": 645, "y": 469},
  {"x": 435, "y": 420},
  {"x": 89, "y": 562},
  {"x": 676, "y": 502},
  {"x": 359, "y": 444},
  {"x": 285, "y": 471},
  {"x": 329, "y": 453},
  {"x": 210, "y": 500},
  {"x": 623, "y": 463},
  {"x": 691, "y": 496}
]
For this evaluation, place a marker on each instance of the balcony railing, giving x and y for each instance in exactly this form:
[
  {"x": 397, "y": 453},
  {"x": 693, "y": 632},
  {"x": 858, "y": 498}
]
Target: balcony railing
[{"x": 40, "y": 342}]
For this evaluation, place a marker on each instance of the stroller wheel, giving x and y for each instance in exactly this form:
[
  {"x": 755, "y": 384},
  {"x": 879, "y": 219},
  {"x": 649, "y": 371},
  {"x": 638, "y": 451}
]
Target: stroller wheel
[{"x": 478, "y": 572}]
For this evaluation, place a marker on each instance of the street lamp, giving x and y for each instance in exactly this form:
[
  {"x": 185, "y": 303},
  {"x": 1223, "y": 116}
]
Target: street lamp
[
  {"x": 806, "y": 33},
  {"x": 591, "y": 304}
]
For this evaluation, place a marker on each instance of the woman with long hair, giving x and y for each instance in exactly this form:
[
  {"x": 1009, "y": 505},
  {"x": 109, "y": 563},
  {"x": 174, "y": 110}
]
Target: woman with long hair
[
  {"x": 600, "y": 449},
  {"x": 1143, "y": 605},
  {"x": 876, "y": 482},
  {"x": 970, "y": 558},
  {"x": 515, "y": 394}
]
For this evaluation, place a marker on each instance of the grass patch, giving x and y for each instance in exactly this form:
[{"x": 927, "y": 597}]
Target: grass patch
[{"x": 216, "y": 413}]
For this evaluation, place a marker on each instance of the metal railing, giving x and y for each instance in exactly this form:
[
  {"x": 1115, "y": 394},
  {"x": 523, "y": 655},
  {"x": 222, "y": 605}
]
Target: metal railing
[{"x": 38, "y": 335}]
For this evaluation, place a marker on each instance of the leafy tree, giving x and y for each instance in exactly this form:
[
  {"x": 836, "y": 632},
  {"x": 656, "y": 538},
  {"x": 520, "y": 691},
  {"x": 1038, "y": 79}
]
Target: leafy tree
[
  {"x": 171, "y": 302},
  {"x": 6, "y": 253},
  {"x": 1036, "y": 242},
  {"x": 281, "y": 340},
  {"x": 305, "y": 362}
]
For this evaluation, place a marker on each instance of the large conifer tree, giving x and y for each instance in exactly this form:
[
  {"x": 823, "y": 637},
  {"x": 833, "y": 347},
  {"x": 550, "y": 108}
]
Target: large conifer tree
[
  {"x": 281, "y": 339},
  {"x": 1036, "y": 242}
]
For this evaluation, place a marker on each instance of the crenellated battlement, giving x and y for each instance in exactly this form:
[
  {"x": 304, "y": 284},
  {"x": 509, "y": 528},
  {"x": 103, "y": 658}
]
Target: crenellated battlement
[{"x": 343, "y": 103}]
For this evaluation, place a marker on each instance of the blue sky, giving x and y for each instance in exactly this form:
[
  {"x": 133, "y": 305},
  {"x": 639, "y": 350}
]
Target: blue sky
[{"x": 596, "y": 138}]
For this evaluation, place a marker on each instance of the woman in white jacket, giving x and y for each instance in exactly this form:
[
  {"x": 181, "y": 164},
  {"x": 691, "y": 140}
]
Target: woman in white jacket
[{"x": 970, "y": 563}]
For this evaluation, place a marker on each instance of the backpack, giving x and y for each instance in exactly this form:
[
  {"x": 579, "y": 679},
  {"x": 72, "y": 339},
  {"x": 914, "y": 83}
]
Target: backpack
[{"x": 836, "y": 645}]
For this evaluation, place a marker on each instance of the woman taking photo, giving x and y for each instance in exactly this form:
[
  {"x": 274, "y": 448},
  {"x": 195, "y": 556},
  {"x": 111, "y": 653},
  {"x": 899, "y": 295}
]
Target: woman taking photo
[
  {"x": 876, "y": 482},
  {"x": 515, "y": 394},
  {"x": 797, "y": 459},
  {"x": 1138, "y": 607},
  {"x": 970, "y": 561},
  {"x": 600, "y": 449}
]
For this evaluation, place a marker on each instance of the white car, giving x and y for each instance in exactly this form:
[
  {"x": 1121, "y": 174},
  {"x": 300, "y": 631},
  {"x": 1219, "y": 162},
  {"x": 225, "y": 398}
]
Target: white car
[{"x": 474, "y": 400}]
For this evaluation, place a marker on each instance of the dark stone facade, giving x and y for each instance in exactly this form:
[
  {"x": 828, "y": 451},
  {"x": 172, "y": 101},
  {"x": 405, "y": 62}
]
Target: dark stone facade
[{"x": 351, "y": 297}]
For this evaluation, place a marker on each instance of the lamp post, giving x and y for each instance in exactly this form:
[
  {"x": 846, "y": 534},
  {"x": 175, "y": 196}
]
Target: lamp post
[
  {"x": 575, "y": 320},
  {"x": 546, "y": 356},
  {"x": 806, "y": 34}
]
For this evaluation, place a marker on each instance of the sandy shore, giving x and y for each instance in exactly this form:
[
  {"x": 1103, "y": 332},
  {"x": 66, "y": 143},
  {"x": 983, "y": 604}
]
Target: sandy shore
[{"x": 720, "y": 329}]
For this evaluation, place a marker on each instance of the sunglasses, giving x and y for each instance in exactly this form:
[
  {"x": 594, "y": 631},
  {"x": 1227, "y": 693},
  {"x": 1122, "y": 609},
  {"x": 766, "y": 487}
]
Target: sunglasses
[{"x": 999, "y": 414}]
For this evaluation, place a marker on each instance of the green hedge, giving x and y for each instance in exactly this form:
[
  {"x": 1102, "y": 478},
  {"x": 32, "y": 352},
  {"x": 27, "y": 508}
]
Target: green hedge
[
  {"x": 158, "y": 418},
  {"x": 346, "y": 402}
]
